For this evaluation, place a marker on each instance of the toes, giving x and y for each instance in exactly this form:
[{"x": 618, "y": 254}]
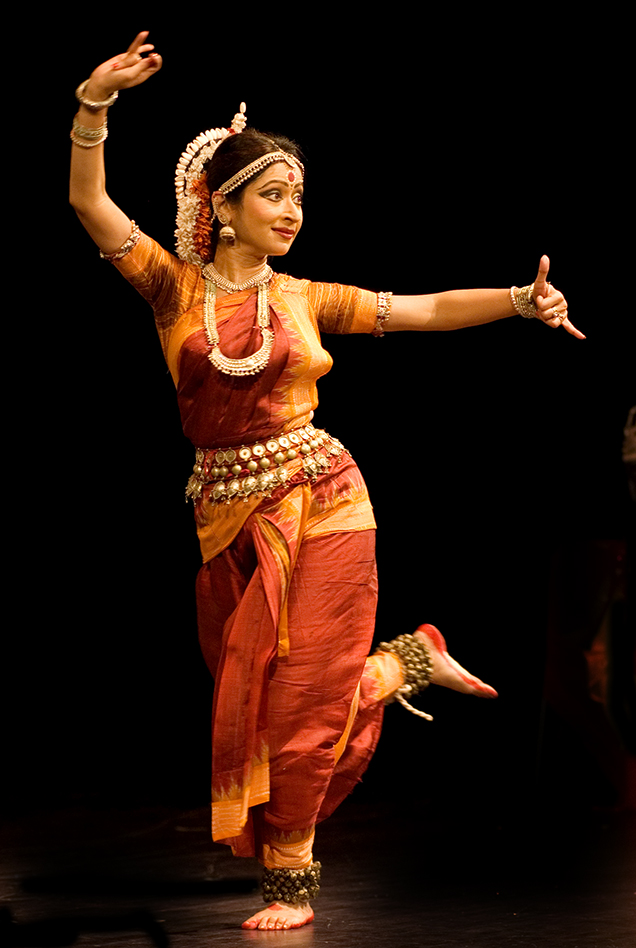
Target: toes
[
  {"x": 446, "y": 671},
  {"x": 287, "y": 917},
  {"x": 472, "y": 681}
]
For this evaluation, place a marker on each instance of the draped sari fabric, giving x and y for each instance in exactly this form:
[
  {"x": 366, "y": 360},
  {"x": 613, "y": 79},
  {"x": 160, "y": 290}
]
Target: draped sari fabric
[
  {"x": 287, "y": 591},
  {"x": 300, "y": 702}
]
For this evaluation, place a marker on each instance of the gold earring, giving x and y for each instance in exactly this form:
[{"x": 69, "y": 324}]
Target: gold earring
[{"x": 227, "y": 232}]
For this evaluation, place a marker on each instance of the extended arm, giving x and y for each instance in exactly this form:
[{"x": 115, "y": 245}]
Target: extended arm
[
  {"x": 457, "y": 309},
  {"x": 105, "y": 222}
]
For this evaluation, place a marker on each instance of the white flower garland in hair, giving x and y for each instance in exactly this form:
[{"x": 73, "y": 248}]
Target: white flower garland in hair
[{"x": 190, "y": 169}]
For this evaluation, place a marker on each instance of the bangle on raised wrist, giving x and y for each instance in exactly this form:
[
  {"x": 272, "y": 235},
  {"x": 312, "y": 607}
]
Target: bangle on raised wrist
[{"x": 91, "y": 105}]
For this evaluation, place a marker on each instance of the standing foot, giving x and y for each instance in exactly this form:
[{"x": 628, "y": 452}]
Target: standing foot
[
  {"x": 280, "y": 916},
  {"x": 446, "y": 671}
]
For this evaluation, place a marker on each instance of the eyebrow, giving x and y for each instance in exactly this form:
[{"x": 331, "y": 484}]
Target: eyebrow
[{"x": 297, "y": 184}]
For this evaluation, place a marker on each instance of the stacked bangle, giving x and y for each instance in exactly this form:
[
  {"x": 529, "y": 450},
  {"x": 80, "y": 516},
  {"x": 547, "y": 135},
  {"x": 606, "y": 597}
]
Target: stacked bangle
[
  {"x": 523, "y": 301},
  {"x": 88, "y": 137}
]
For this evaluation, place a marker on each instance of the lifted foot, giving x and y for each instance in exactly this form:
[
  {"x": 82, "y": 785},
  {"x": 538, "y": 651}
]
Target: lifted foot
[
  {"x": 280, "y": 916},
  {"x": 446, "y": 671}
]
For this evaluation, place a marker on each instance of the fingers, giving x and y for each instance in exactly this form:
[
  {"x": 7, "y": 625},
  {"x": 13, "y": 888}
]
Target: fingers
[
  {"x": 549, "y": 301},
  {"x": 135, "y": 68},
  {"x": 567, "y": 325},
  {"x": 556, "y": 315},
  {"x": 136, "y": 43},
  {"x": 552, "y": 310},
  {"x": 127, "y": 69},
  {"x": 552, "y": 307},
  {"x": 151, "y": 63},
  {"x": 138, "y": 46},
  {"x": 134, "y": 52}
]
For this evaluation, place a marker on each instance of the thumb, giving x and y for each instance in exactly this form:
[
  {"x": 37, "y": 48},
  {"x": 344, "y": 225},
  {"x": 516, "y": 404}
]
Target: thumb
[{"x": 541, "y": 281}]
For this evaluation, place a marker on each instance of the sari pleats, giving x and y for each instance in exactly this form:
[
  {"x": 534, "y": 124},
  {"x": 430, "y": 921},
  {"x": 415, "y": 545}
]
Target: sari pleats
[{"x": 282, "y": 705}]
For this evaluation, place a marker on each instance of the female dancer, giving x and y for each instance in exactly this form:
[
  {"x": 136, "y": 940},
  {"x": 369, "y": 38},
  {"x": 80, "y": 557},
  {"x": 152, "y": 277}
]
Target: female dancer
[{"x": 287, "y": 592}]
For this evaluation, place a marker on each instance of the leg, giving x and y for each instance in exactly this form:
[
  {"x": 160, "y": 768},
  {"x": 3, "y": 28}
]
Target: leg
[{"x": 331, "y": 614}]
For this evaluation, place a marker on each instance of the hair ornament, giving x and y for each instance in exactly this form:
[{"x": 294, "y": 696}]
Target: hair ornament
[{"x": 190, "y": 169}]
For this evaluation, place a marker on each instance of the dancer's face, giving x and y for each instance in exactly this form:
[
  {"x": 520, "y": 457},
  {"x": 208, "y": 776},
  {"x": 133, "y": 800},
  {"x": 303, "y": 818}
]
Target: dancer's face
[{"x": 270, "y": 213}]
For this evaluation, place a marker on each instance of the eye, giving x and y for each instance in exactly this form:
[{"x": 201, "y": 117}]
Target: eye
[{"x": 298, "y": 198}]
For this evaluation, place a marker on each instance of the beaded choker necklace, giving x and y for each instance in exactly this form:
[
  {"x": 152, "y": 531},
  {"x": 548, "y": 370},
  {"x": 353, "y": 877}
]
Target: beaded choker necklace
[
  {"x": 256, "y": 362},
  {"x": 264, "y": 275}
]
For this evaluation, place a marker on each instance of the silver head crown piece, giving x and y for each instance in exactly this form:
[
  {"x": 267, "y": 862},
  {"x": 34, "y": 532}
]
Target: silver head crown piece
[{"x": 296, "y": 170}]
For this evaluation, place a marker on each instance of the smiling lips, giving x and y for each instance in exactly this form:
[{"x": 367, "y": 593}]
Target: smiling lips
[{"x": 284, "y": 232}]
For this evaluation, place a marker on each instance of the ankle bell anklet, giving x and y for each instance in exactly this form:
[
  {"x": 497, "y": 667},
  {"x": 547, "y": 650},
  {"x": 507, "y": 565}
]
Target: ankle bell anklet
[
  {"x": 291, "y": 885},
  {"x": 417, "y": 668}
]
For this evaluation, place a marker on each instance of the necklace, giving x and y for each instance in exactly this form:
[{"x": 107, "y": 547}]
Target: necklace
[
  {"x": 264, "y": 275},
  {"x": 252, "y": 364}
]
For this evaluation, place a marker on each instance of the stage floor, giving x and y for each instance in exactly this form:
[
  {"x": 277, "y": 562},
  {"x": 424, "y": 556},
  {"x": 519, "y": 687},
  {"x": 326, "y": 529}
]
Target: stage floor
[{"x": 396, "y": 876}]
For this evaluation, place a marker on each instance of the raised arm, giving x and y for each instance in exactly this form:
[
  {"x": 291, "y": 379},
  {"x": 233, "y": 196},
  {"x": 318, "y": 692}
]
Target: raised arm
[
  {"x": 457, "y": 309},
  {"x": 105, "y": 222}
]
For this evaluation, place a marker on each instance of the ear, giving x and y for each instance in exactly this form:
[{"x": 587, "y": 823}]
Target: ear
[{"x": 220, "y": 204}]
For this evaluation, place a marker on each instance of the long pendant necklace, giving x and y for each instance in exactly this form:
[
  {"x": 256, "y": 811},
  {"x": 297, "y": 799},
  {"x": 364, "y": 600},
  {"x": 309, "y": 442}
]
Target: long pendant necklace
[{"x": 256, "y": 362}]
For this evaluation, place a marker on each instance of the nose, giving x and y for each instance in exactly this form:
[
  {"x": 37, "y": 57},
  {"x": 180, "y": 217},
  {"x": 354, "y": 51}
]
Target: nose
[{"x": 293, "y": 211}]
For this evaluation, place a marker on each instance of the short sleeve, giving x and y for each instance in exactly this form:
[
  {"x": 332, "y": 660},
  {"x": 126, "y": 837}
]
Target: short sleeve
[
  {"x": 343, "y": 309},
  {"x": 169, "y": 285}
]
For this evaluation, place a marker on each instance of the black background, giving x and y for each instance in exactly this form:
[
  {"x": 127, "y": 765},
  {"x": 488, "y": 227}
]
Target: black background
[{"x": 444, "y": 153}]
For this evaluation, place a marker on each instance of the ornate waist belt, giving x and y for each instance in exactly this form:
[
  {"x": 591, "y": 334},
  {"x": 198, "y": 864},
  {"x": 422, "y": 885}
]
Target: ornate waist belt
[{"x": 263, "y": 466}]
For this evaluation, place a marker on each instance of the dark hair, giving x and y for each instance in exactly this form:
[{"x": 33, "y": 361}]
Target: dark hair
[{"x": 237, "y": 152}]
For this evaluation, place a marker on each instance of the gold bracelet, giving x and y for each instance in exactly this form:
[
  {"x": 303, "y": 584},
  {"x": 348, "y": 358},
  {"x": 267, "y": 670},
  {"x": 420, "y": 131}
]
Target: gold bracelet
[
  {"x": 88, "y": 137},
  {"x": 523, "y": 301},
  {"x": 383, "y": 312}
]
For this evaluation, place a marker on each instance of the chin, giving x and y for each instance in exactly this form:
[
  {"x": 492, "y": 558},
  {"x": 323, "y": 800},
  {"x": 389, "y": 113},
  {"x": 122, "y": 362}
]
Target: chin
[{"x": 279, "y": 251}]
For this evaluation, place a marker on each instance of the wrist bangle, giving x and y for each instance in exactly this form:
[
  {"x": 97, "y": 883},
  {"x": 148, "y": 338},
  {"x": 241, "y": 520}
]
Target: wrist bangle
[
  {"x": 523, "y": 301},
  {"x": 89, "y": 104},
  {"x": 383, "y": 313},
  {"x": 88, "y": 137}
]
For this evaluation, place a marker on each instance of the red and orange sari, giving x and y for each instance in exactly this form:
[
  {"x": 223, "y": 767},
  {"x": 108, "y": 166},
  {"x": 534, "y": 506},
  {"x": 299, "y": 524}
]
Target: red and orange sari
[{"x": 287, "y": 592}]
